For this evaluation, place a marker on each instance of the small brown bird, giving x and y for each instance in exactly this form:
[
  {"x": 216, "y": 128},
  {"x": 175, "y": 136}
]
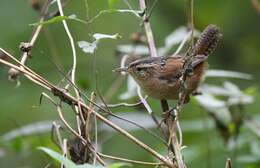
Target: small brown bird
[{"x": 159, "y": 77}]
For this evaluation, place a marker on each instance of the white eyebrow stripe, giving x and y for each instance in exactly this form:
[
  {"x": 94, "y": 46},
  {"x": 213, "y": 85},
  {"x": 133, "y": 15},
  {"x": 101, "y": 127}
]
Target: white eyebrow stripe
[{"x": 146, "y": 66}]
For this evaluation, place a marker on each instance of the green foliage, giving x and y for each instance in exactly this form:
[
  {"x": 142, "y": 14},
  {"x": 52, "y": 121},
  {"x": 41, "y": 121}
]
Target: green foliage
[
  {"x": 238, "y": 51},
  {"x": 136, "y": 13},
  {"x": 118, "y": 165},
  {"x": 69, "y": 164},
  {"x": 61, "y": 159},
  {"x": 57, "y": 19}
]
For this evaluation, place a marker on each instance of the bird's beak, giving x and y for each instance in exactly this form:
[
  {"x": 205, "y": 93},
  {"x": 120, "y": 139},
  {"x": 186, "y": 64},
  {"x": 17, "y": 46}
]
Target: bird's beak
[{"x": 123, "y": 69}]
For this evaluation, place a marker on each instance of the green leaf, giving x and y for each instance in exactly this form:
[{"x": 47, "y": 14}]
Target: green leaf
[
  {"x": 58, "y": 19},
  {"x": 61, "y": 159},
  {"x": 65, "y": 161},
  {"x": 118, "y": 165},
  {"x": 137, "y": 13}
]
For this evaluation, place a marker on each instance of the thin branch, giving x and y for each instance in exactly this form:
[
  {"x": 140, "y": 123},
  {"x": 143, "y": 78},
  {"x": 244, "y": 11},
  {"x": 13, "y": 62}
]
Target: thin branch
[
  {"x": 170, "y": 121},
  {"x": 192, "y": 21},
  {"x": 74, "y": 65},
  {"x": 26, "y": 73},
  {"x": 76, "y": 134},
  {"x": 108, "y": 111},
  {"x": 14, "y": 74},
  {"x": 43, "y": 94},
  {"x": 66, "y": 97},
  {"x": 173, "y": 123},
  {"x": 228, "y": 163},
  {"x": 71, "y": 43},
  {"x": 55, "y": 127},
  {"x": 123, "y": 104},
  {"x": 143, "y": 100},
  {"x": 148, "y": 30},
  {"x": 183, "y": 42},
  {"x": 64, "y": 150},
  {"x": 130, "y": 160},
  {"x": 96, "y": 138}
]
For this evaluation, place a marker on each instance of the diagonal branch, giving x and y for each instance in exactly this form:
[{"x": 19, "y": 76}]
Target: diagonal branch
[
  {"x": 148, "y": 30},
  {"x": 69, "y": 99},
  {"x": 74, "y": 65},
  {"x": 14, "y": 74}
]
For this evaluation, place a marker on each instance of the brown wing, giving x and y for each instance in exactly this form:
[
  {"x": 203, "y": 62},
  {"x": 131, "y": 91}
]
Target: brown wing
[
  {"x": 171, "y": 69},
  {"x": 198, "y": 59}
]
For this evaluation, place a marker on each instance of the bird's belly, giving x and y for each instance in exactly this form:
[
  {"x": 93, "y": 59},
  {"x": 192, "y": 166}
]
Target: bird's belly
[{"x": 161, "y": 91}]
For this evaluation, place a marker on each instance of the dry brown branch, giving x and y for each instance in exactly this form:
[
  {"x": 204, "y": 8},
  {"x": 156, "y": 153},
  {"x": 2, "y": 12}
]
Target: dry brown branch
[
  {"x": 228, "y": 163},
  {"x": 56, "y": 131},
  {"x": 171, "y": 122},
  {"x": 148, "y": 29},
  {"x": 70, "y": 100},
  {"x": 74, "y": 66},
  {"x": 64, "y": 150},
  {"x": 129, "y": 160},
  {"x": 13, "y": 74},
  {"x": 84, "y": 141}
]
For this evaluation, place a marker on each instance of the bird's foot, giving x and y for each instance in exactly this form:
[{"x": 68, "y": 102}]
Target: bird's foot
[
  {"x": 170, "y": 113},
  {"x": 196, "y": 93}
]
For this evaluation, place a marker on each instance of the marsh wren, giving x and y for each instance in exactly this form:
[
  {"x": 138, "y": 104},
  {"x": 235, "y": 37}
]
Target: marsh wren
[{"x": 159, "y": 77}]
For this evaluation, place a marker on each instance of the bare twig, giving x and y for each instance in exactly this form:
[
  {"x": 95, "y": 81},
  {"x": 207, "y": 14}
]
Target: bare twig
[
  {"x": 129, "y": 160},
  {"x": 14, "y": 74},
  {"x": 173, "y": 123},
  {"x": 146, "y": 105},
  {"x": 56, "y": 131},
  {"x": 148, "y": 30},
  {"x": 182, "y": 43},
  {"x": 170, "y": 121},
  {"x": 228, "y": 163},
  {"x": 64, "y": 150},
  {"x": 66, "y": 97},
  {"x": 123, "y": 104},
  {"x": 77, "y": 135},
  {"x": 192, "y": 22},
  {"x": 106, "y": 109},
  {"x": 74, "y": 66}
]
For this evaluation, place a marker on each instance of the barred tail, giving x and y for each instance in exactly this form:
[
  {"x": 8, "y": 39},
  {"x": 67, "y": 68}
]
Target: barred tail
[{"x": 207, "y": 42}]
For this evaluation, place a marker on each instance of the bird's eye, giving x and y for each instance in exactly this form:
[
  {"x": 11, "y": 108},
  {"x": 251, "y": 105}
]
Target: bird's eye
[{"x": 139, "y": 69}]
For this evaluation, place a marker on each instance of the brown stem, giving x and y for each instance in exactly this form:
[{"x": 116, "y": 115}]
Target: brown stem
[
  {"x": 171, "y": 123},
  {"x": 66, "y": 97},
  {"x": 148, "y": 30},
  {"x": 13, "y": 74},
  {"x": 129, "y": 160},
  {"x": 228, "y": 163}
]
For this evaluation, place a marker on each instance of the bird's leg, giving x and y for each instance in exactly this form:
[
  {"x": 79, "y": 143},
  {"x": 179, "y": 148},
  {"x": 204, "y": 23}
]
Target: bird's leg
[
  {"x": 196, "y": 93},
  {"x": 189, "y": 70},
  {"x": 169, "y": 113}
]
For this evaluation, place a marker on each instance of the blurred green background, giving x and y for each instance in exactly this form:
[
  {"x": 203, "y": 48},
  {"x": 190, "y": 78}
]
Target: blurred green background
[{"x": 239, "y": 50}]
